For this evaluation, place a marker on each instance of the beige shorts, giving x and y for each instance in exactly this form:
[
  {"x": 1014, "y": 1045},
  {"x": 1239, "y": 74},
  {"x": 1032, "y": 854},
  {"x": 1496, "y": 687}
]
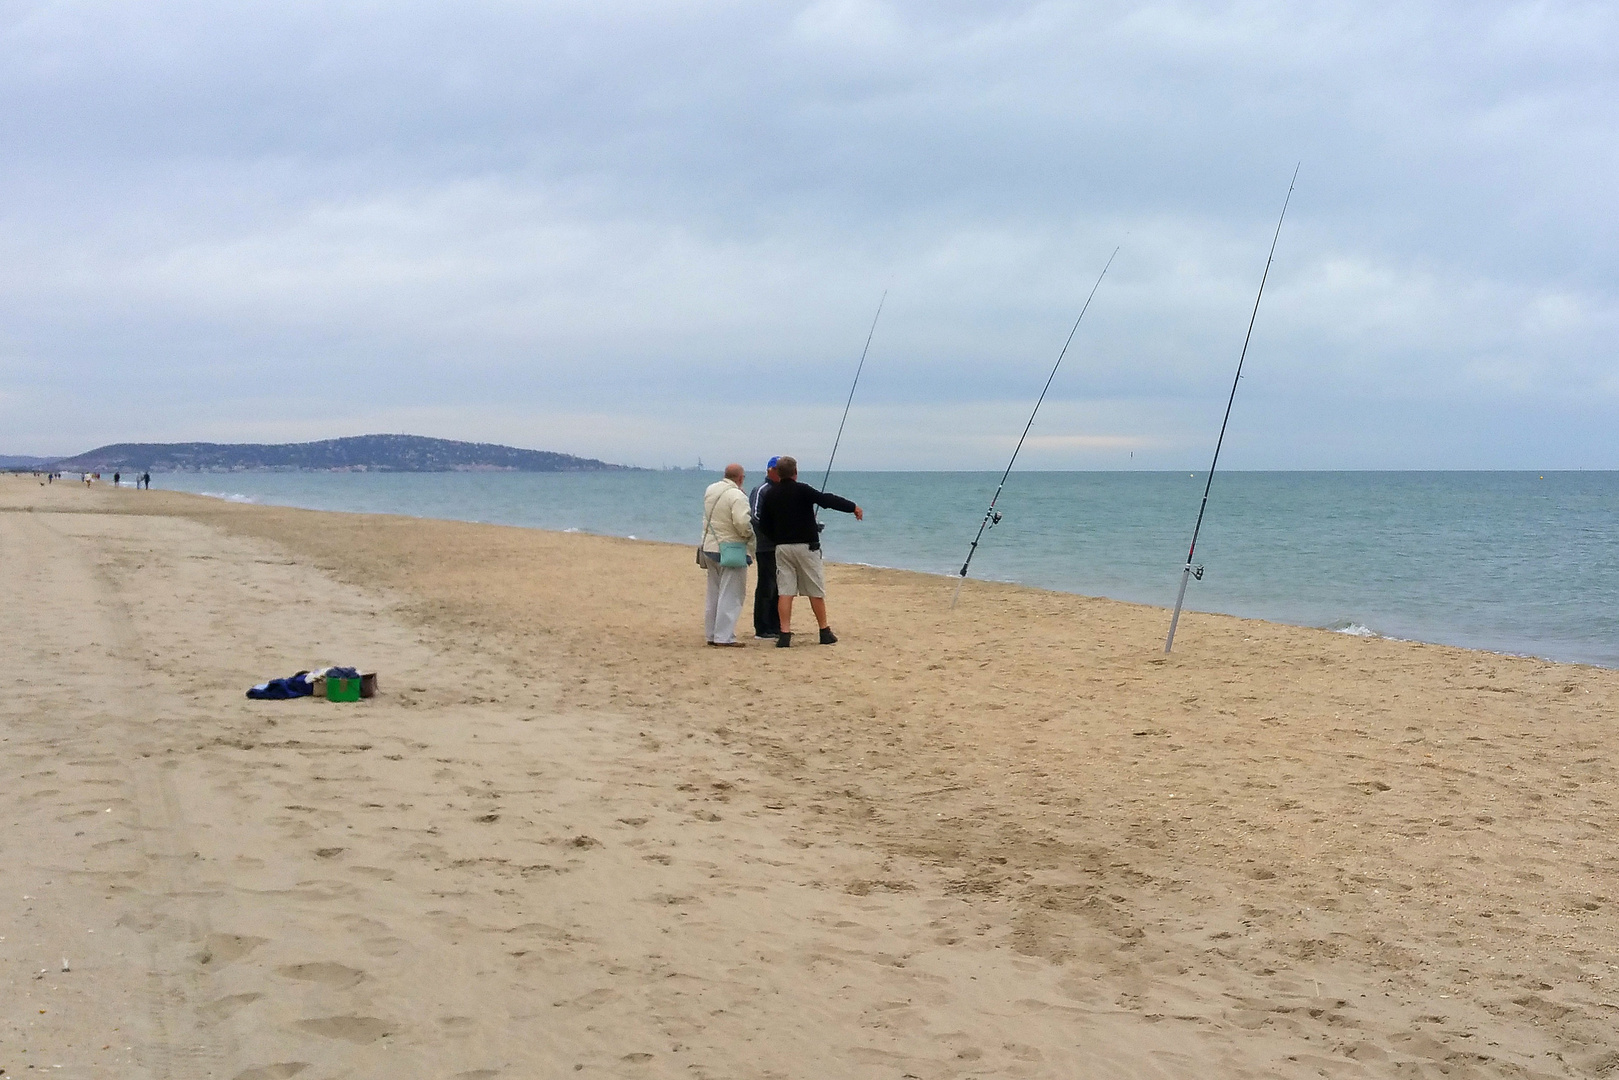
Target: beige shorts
[{"x": 798, "y": 571}]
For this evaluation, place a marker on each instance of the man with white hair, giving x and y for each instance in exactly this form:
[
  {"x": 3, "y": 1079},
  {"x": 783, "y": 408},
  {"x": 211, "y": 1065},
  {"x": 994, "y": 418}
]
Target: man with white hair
[{"x": 726, "y": 521}]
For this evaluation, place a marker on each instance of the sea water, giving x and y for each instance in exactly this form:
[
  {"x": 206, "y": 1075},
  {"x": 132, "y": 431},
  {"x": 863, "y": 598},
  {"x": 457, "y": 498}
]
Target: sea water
[{"x": 1523, "y": 563}]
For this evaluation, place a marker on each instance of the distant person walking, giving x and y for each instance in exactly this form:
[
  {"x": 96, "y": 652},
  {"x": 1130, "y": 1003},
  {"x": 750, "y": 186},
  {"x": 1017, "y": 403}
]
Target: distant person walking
[
  {"x": 766, "y": 616},
  {"x": 787, "y": 515},
  {"x": 146, "y": 478},
  {"x": 117, "y": 479},
  {"x": 725, "y": 522}
]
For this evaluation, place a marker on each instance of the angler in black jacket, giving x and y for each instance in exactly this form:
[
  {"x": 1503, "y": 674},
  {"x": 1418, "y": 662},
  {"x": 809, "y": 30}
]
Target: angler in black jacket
[
  {"x": 787, "y": 516},
  {"x": 766, "y": 613}
]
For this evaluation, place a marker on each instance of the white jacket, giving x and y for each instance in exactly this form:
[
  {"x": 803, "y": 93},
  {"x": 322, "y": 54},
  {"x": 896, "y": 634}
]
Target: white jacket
[{"x": 726, "y": 517}]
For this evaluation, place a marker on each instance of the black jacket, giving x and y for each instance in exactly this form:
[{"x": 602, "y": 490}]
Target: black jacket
[
  {"x": 787, "y": 512},
  {"x": 755, "y": 497}
]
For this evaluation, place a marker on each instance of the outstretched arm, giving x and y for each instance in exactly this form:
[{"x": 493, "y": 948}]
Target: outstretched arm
[{"x": 838, "y": 502}]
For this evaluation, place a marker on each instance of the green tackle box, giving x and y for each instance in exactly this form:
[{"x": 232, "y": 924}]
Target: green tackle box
[
  {"x": 347, "y": 689},
  {"x": 342, "y": 689}
]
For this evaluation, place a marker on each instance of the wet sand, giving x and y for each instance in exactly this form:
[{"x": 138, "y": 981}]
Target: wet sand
[{"x": 569, "y": 840}]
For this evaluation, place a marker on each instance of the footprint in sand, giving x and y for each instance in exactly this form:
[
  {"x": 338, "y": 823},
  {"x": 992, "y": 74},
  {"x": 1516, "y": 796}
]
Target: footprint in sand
[
  {"x": 327, "y": 974},
  {"x": 227, "y": 948},
  {"x": 383, "y": 946},
  {"x": 279, "y": 1071},
  {"x": 354, "y": 1029},
  {"x": 226, "y": 1007},
  {"x": 592, "y": 1000}
]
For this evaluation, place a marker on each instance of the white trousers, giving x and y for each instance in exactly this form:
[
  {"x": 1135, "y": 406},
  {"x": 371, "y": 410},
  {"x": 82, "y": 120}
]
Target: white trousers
[{"x": 727, "y": 587}]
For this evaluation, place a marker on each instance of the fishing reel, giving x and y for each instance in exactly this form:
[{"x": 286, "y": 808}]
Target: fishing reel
[
  {"x": 993, "y": 517},
  {"x": 1197, "y": 572}
]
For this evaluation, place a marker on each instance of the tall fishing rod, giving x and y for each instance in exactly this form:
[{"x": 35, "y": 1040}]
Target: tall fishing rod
[
  {"x": 1197, "y": 572},
  {"x": 852, "y": 386},
  {"x": 991, "y": 516}
]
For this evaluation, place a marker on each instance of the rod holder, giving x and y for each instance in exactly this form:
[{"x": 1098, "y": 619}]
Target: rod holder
[{"x": 1180, "y": 598}]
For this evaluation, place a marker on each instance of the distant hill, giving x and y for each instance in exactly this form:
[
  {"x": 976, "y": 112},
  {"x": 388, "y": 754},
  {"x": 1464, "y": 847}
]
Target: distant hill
[{"x": 360, "y": 453}]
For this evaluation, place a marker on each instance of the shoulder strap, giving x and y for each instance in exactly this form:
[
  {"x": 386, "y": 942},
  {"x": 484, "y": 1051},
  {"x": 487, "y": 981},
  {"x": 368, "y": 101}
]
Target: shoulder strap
[{"x": 709, "y": 520}]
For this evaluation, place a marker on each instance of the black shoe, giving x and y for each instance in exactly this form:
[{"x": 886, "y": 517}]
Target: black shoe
[
  {"x": 827, "y": 636},
  {"x": 765, "y": 637},
  {"x": 784, "y": 641}
]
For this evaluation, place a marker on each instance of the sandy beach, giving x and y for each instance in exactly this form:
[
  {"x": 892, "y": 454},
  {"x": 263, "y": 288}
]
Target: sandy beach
[{"x": 566, "y": 839}]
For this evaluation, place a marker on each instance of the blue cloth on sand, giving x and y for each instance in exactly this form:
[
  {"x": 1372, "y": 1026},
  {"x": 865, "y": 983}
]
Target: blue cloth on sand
[{"x": 281, "y": 689}]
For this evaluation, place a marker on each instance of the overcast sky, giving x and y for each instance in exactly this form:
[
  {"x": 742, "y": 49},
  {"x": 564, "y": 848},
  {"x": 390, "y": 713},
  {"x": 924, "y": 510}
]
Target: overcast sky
[{"x": 652, "y": 231}]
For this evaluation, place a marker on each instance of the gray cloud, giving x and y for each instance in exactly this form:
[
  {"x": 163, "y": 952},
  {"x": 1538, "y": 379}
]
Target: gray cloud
[{"x": 648, "y": 232}]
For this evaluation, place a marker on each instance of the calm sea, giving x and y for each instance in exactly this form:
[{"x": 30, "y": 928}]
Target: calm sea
[{"x": 1522, "y": 563}]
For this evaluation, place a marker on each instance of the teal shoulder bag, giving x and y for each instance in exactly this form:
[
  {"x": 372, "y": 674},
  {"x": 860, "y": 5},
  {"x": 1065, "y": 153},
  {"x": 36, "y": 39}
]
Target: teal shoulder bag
[{"x": 733, "y": 553}]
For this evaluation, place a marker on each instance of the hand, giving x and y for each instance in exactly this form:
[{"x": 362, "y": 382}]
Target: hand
[{"x": 859, "y": 514}]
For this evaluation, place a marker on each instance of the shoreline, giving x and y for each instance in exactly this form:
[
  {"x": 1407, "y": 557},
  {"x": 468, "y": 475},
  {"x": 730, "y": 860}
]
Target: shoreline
[
  {"x": 1016, "y": 842},
  {"x": 1347, "y": 631}
]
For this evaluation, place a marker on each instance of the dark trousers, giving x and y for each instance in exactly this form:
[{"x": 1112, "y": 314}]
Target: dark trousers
[{"x": 766, "y": 618}]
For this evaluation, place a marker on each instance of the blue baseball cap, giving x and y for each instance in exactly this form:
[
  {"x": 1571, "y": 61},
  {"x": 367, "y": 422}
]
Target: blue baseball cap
[{"x": 771, "y": 464}]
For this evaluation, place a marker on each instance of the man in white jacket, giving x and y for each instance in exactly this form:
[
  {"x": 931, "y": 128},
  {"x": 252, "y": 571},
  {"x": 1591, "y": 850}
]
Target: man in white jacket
[{"x": 725, "y": 520}]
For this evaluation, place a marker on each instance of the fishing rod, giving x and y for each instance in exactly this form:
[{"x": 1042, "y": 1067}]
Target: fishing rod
[
  {"x": 992, "y": 517},
  {"x": 852, "y": 386},
  {"x": 1190, "y": 571}
]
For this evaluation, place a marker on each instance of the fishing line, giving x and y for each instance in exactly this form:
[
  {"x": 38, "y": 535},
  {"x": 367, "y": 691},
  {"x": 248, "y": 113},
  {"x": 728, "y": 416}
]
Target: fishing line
[
  {"x": 852, "y": 386},
  {"x": 1190, "y": 570},
  {"x": 992, "y": 517}
]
